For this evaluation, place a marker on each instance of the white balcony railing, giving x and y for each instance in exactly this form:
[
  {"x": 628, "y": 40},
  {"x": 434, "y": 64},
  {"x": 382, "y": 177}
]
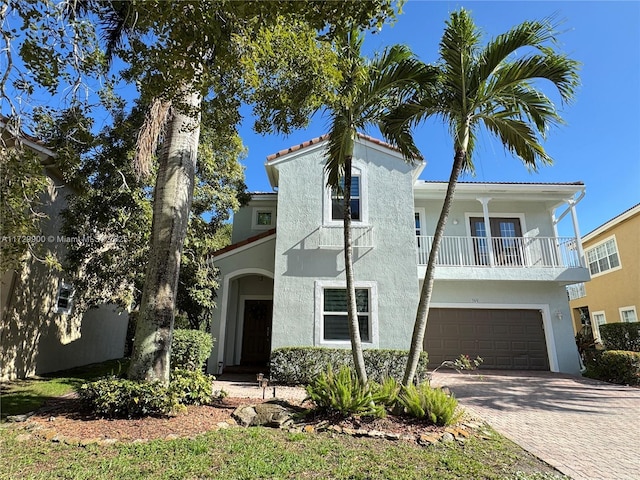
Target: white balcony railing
[
  {"x": 523, "y": 252},
  {"x": 576, "y": 291},
  {"x": 332, "y": 236}
]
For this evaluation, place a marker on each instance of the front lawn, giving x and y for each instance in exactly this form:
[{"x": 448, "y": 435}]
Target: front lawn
[
  {"x": 23, "y": 396},
  {"x": 257, "y": 453}
]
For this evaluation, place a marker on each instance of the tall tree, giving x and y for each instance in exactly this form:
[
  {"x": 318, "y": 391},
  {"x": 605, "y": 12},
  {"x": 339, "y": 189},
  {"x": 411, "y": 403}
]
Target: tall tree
[
  {"x": 363, "y": 96},
  {"x": 494, "y": 88}
]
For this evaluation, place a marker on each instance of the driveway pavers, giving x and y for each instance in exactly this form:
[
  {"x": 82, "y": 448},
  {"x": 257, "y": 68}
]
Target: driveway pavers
[{"x": 584, "y": 428}]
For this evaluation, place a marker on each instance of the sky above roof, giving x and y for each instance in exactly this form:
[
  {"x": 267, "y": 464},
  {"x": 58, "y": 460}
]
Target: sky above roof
[{"x": 600, "y": 143}]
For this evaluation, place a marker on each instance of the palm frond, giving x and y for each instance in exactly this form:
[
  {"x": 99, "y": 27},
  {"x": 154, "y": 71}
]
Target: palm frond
[
  {"x": 341, "y": 142},
  {"x": 518, "y": 138}
]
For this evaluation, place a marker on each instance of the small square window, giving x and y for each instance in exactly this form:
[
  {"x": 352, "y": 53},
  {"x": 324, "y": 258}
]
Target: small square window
[
  {"x": 64, "y": 300},
  {"x": 264, "y": 218}
]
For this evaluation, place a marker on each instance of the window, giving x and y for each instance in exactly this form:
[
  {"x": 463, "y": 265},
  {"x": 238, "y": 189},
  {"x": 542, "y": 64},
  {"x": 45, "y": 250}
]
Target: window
[
  {"x": 337, "y": 200},
  {"x": 263, "y": 218},
  {"x": 628, "y": 314},
  {"x": 64, "y": 300},
  {"x": 603, "y": 257},
  {"x": 332, "y": 325},
  {"x": 334, "y": 309},
  {"x": 597, "y": 319}
]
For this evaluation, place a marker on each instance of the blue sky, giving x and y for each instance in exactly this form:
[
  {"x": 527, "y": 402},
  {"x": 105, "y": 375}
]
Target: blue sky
[{"x": 599, "y": 145}]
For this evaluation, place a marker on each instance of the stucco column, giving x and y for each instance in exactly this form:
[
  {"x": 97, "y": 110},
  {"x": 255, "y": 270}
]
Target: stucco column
[
  {"x": 576, "y": 229},
  {"x": 487, "y": 226}
]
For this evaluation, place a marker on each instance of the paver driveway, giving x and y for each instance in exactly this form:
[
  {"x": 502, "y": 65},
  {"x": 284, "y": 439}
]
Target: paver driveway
[{"x": 584, "y": 428}]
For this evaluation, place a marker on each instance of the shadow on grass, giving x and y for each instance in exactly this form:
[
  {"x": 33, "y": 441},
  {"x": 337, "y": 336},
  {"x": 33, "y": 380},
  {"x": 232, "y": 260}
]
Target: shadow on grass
[{"x": 23, "y": 396}]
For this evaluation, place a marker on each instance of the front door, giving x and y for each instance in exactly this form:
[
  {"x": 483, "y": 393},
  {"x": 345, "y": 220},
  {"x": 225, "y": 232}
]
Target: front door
[{"x": 256, "y": 335}]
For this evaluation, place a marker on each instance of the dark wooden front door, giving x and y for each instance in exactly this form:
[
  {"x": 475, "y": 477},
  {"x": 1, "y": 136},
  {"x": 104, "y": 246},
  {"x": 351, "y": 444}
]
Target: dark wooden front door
[{"x": 256, "y": 335}]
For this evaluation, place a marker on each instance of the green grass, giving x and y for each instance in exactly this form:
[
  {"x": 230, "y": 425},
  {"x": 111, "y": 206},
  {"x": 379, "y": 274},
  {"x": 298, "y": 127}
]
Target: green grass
[
  {"x": 22, "y": 396},
  {"x": 238, "y": 453},
  {"x": 264, "y": 453}
]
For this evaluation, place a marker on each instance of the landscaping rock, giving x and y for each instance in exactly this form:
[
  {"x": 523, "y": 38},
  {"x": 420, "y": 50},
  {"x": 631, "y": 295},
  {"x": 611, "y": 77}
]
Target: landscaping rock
[
  {"x": 448, "y": 438},
  {"x": 20, "y": 418},
  {"x": 275, "y": 413}
]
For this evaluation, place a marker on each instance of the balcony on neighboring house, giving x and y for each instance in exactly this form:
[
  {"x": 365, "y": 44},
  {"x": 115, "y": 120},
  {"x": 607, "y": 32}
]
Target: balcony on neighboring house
[
  {"x": 331, "y": 236},
  {"x": 576, "y": 291},
  {"x": 504, "y": 258}
]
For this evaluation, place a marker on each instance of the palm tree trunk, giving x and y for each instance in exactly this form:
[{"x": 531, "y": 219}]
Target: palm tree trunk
[
  {"x": 171, "y": 206},
  {"x": 417, "y": 339},
  {"x": 352, "y": 308}
]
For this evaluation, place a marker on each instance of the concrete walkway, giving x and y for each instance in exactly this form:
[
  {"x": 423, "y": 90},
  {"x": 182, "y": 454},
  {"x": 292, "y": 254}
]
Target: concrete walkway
[{"x": 584, "y": 428}]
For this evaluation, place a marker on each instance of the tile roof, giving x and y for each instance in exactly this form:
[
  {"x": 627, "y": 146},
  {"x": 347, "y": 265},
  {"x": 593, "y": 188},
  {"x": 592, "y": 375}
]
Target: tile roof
[
  {"x": 321, "y": 138},
  {"x": 244, "y": 242},
  {"x": 505, "y": 183}
]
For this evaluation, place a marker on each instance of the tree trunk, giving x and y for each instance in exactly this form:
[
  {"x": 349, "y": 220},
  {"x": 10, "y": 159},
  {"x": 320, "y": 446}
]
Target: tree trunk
[
  {"x": 417, "y": 339},
  {"x": 171, "y": 206},
  {"x": 352, "y": 308}
]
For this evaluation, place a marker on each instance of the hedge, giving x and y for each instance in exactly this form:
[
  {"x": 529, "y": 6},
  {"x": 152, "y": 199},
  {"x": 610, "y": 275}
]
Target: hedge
[
  {"x": 301, "y": 365},
  {"x": 621, "y": 336},
  {"x": 615, "y": 366},
  {"x": 190, "y": 349}
]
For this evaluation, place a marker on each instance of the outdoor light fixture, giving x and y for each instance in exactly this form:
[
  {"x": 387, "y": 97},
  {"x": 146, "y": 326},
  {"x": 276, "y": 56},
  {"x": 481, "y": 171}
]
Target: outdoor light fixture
[
  {"x": 220, "y": 368},
  {"x": 259, "y": 378},
  {"x": 264, "y": 383}
]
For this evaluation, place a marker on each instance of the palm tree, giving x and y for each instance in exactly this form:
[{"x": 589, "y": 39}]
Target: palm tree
[
  {"x": 367, "y": 91},
  {"x": 488, "y": 87}
]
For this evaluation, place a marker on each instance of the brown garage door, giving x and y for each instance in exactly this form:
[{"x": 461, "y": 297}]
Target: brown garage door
[{"x": 505, "y": 339}]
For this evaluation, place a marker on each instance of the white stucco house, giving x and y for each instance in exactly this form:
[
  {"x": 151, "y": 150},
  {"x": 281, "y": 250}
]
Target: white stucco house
[{"x": 500, "y": 281}]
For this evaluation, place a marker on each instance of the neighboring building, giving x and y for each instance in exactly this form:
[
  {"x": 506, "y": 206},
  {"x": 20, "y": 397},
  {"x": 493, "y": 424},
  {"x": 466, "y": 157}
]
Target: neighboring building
[
  {"x": 613, "y": 256},
  {"x": 40, "y": 330},
  {"x": 500, "y": 281}
]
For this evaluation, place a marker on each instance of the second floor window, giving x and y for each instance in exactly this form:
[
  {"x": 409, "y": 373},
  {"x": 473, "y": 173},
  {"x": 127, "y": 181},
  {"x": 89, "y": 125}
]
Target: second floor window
[
  {"x": 603, "y": 257},
  {"x": 337, "y": 201}
]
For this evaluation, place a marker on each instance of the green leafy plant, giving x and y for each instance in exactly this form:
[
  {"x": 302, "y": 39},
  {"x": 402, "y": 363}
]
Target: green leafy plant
[
  {"x": 615, "y": 366},
  {"x": 114, "y": 397},
  {"x": 621, "y": 336},
  {"x": 301, "y": 365},
  {"x": 386, "y": 392},
  {"x": 191, "y": 387},
  {"x": 343, "y": 393},
  {"x": 190, "y": 349},
  {"x": 433, "y": 404}
]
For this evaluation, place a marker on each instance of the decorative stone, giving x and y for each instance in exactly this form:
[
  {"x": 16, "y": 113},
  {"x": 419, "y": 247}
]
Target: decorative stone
[
  {"x": 349, "y": 431},
  {"x": 51, "y": 419},
  {"x": 19, "y": 418},
  {"x": 448, "y": 437},
  {"x": 308, "y": 429},
  {"x": 376, "y": 434},
  {"x": 428, "y": 439},
  {"x": 336, "y": 428},
  {"x": 108, "y": 441},
  {"x": 275, "y": 413},
  {"x": 172, "y": 436},
  {"x": 392, "y": 436},
  {"x": 90, "y": 441},
  {"x": 361, "y": 432},
  {"x": 141, "y": 440}
]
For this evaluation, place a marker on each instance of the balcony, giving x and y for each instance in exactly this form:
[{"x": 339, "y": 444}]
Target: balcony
[
  {"x": 331, "y": 236},
  {"x": 517, "y": 258}
]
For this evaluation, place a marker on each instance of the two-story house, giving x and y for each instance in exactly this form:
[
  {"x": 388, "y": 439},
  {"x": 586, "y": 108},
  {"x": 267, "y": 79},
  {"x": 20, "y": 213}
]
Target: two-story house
[
  {"x": 613, "y": 257},
  {"x": 500, "y": 282},
  {"x": 40, "y": 330}
]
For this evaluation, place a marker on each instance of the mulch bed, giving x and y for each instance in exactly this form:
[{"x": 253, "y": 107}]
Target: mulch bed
[{"x": 65, "y": 418}]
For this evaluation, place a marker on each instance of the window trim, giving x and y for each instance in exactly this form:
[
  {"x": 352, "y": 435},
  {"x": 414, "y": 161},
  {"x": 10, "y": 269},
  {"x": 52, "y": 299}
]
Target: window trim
[
  {"x": 359, "y": 170},
  {"x": 56, "y": 308},
  {"x": 630, "y": 308},
  {"x": 320, "y": 286},
  {"x": 254, "y": 218},
  {"x": 596, "y": 245},
  {"x": 595, "y": 326}
]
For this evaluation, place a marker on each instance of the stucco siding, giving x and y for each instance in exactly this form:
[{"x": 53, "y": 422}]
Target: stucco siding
[
  {"x": 386, "y": 184},
  {"x": 244, "y": 219}
]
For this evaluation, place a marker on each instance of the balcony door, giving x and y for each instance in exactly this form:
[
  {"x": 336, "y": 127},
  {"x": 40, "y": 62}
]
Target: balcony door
[{"x": 506, "y": 236}]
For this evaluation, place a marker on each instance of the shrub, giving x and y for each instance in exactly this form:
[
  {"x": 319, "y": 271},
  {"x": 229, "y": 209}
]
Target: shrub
[
  {"x": 621, "y": 336},
  {"x": 386, "y": 392},
  {"x": 119, "y": 398},
  {"x": 432, "y": 404},
  {"x": 191, "y": 388},
  {"x": 615, "y": 366},
  {"x": 341, "y": 392},
  {"x": 301, "y": 365},
  {"x": 190, "y": 349}
]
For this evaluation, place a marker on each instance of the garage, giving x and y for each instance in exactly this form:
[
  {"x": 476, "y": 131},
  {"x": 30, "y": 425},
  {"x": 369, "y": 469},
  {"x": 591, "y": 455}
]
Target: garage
[{"x": 504, "y": 338}]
